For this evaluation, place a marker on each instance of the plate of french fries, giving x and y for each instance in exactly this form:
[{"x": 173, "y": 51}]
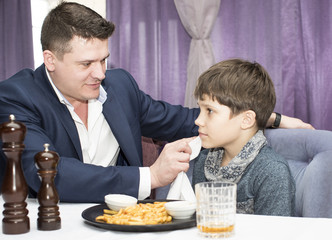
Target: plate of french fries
[{"x": 146, "y": 216}]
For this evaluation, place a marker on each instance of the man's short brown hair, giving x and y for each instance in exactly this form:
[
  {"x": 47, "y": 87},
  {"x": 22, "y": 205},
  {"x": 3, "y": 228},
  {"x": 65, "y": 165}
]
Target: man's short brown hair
[
  {"x": 240, "y": 85},
  {"x": 70, "y": 19}
]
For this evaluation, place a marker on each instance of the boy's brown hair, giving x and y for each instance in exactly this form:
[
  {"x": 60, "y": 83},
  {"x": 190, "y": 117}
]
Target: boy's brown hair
[
  {"x": 70, "y": 19},
  {"x": 240, "y": 85}
]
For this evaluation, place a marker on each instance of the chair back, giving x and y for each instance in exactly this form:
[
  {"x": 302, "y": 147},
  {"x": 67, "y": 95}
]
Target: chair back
[{"x": 309, "y": 154}]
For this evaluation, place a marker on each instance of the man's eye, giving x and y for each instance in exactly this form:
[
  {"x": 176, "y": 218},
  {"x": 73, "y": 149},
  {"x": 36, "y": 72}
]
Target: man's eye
[{"x": 87, "y": 64}]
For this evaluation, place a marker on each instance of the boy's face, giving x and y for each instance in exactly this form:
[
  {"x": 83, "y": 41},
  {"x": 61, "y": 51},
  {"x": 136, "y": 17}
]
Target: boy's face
[{"x": 216, "y": 127}]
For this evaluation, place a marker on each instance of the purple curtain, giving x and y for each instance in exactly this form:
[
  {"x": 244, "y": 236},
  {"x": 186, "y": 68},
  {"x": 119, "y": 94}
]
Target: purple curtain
[
  {"x": 16, "y": 47},
  {"x": 290, "y": 38},
  {"x": 150, "y": 42}
]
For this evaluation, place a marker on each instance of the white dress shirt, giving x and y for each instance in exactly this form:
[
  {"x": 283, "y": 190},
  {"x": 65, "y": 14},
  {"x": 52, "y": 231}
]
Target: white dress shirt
[{"x": 99, "y": 146}]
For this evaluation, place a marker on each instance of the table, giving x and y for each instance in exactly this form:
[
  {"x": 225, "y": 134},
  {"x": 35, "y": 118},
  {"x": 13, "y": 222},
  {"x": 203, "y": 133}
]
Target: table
[{"x": 247, "y": 227}]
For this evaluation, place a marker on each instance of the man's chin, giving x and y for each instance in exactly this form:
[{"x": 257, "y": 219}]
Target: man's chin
[{"x": 92, "y": 95}]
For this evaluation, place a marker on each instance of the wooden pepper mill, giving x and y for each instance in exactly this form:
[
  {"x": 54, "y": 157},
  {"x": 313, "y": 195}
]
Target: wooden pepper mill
[
  {"x": 14, "y": 188},
  {"x": 48, "y": 198}
]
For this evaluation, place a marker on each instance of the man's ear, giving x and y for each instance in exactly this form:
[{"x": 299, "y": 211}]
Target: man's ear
[
  {"x": 249, "y": 119},
  {"x": 49, "y": 60}
]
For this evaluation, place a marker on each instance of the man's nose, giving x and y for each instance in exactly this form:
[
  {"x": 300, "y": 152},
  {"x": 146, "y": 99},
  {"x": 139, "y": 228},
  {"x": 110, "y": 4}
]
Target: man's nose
[{"x": 98, "y": 71}]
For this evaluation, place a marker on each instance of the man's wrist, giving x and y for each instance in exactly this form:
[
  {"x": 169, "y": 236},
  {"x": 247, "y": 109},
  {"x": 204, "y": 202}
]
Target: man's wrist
[{"x": 277, "y": 120}]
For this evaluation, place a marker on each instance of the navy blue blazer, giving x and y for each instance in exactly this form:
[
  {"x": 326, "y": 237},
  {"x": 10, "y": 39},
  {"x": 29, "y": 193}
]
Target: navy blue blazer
[{"x": 130, "y": 113}]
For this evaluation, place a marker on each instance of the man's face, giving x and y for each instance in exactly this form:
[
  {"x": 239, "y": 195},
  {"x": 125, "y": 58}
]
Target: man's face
[{"x": 79, "y": 74}]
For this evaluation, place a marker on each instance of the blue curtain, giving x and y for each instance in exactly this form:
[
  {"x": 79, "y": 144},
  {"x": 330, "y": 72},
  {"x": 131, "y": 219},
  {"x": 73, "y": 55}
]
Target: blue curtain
[{"x": 16, "y": 46}]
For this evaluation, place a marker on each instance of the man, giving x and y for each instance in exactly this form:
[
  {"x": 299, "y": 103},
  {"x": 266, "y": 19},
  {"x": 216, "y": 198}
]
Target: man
[{"x": 93, "y": 118}]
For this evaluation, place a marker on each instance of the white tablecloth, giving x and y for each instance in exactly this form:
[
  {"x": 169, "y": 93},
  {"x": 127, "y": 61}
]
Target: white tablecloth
[{"x": 247, "y": 227}]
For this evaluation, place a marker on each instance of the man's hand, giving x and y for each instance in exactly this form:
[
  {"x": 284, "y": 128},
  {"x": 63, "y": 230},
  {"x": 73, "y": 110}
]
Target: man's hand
[
  {"x": 289, "y": 122},
  {"x": 173, "y": 159}
]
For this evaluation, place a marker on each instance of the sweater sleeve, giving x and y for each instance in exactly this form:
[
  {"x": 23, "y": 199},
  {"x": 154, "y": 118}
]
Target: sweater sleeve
[{"x": 275, "y": 191}]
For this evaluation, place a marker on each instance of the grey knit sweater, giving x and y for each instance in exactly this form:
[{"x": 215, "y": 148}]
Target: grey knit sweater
[{"x": 266, "y": 186}]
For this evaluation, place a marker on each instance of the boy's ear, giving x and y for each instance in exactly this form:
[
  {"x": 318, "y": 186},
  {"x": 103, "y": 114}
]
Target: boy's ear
[
  {"x": 249, "y": 119},
  {"x": 49, "y": 60}
]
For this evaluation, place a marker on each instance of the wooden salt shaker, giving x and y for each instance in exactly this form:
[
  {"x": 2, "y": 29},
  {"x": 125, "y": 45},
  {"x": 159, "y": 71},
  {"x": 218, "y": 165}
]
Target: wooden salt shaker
[
  {"x": 14, "y": 188},
  {"x": 48, "y": 212}
]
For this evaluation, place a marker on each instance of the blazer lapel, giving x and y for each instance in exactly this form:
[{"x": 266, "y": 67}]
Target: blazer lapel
[
  {"x": 61, "y": 110},
  {"x": 70, "y": 128},
  {"x": 120, "y": 127}
]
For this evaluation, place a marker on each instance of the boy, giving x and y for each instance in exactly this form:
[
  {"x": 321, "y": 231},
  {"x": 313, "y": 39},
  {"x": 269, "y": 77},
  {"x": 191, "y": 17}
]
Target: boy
[{"x": 236, "y": 98}]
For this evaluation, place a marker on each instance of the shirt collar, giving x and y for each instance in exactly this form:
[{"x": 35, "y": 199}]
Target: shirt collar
[{"x": 101, "y": 98}]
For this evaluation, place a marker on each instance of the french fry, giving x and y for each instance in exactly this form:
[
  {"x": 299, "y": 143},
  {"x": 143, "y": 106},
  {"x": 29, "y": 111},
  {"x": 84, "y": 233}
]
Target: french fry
[
  {"x": 110, "y": 212},
  {"x": 140, "y": 214}
]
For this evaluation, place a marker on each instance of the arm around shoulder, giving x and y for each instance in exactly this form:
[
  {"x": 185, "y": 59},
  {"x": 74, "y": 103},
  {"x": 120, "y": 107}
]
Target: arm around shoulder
[{"x": 286, "y": 122}]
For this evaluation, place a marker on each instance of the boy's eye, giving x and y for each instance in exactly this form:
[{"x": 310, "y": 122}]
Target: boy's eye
[
  {"x": 86, "y": 64},
  {"x": 209, "y": 111}
]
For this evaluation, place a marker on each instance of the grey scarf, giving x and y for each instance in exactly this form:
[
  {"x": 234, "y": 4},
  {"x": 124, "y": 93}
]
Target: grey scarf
[{"x": 234, "y": 170}]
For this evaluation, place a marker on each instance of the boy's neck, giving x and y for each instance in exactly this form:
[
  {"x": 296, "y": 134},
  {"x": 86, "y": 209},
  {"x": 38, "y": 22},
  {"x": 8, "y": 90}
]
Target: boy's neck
[{"x": 235, "y": 148}]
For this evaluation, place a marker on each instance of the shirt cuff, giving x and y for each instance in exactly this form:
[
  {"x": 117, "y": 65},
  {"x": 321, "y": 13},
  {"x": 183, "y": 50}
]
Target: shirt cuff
[{"x": 144, "y": 189}]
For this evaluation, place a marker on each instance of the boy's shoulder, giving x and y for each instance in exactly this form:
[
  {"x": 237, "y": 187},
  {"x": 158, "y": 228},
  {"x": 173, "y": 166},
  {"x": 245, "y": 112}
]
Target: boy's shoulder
[
  {"x": 269, "y": 162},
  {"x": 270, "y": 156},
  {"x": 268, "y": 168}
]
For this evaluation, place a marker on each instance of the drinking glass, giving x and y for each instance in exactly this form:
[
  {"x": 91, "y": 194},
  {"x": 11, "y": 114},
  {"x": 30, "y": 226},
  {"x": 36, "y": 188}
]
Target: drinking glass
[{"x": 216, "y": 209}]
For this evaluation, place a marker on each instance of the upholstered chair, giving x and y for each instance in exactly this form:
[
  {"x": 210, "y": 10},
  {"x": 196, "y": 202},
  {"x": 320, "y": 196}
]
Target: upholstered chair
[{"x": 309, "y": 154}]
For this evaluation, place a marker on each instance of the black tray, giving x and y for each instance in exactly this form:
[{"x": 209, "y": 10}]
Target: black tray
[{"x": 91, "y": 213}]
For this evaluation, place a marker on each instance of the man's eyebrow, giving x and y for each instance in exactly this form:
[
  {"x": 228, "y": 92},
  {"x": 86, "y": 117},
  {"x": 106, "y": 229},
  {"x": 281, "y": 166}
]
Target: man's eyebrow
[{"x": 92, "y": 60}]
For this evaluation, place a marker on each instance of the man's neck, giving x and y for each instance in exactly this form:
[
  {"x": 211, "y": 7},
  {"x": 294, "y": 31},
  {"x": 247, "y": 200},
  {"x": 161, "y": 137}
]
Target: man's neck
[{"x": 81, "y": 109}]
